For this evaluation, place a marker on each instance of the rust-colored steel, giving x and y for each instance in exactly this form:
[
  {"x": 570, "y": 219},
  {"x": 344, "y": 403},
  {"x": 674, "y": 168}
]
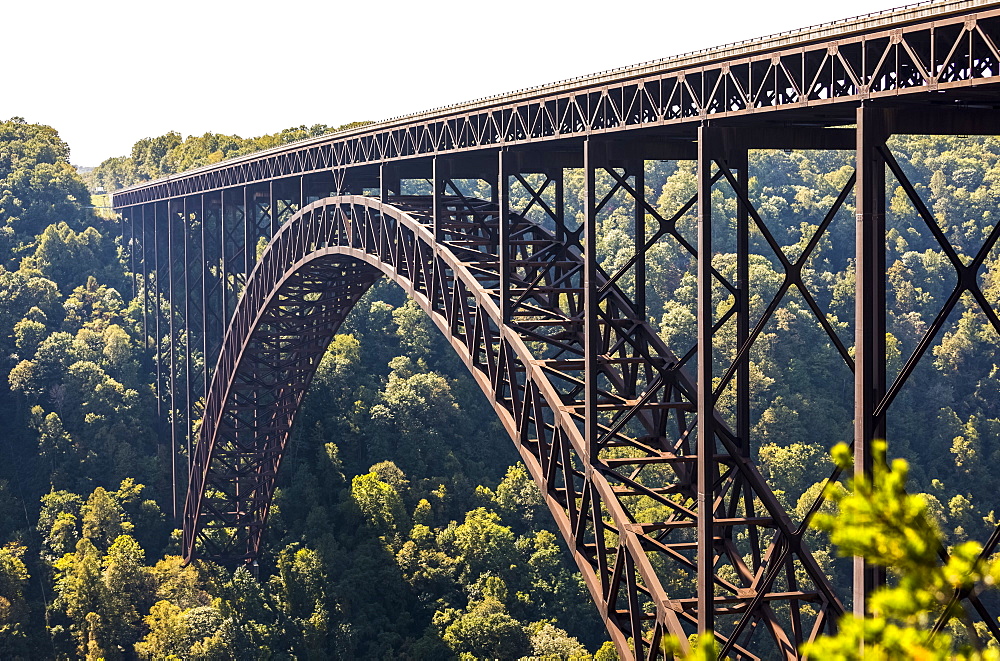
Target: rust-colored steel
[
  {"x": 817, "y": 75},
  {"x": 641, "y": 410},
  {"x": 603, "y": 414}
]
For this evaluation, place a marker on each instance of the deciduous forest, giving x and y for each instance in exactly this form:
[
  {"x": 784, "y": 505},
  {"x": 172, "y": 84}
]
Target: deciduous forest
[{"x": 404, "y": 525}]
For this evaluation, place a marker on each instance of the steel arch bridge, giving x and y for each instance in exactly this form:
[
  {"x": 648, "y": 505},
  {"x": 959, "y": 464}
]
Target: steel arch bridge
[
  {"x": 595, "y": 472},
  {"x": 604, "y": 414}
]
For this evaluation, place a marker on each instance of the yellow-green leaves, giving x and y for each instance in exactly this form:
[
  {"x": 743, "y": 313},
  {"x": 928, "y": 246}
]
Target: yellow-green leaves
[{"x": 891, "y": 528}]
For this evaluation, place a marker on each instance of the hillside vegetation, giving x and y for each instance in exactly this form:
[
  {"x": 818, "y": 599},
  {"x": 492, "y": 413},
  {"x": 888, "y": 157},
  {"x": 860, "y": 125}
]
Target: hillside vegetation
[{"x": 404, "y": 525}]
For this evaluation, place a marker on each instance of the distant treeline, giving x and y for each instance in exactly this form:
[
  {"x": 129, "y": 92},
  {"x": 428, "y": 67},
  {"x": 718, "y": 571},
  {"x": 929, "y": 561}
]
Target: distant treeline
[{"x": 170, "y": 153}]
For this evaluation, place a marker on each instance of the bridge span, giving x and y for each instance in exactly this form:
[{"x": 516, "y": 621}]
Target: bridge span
[{"x": 604, "y": 414}]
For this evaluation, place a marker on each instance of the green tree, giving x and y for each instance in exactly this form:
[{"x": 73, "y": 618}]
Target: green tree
[
  {"x": 38, "y": 186},
  {"x": 14, "y": 609},
  {"x": 104, "y": 519},
  {"x": 879, "y": 520},
  {"x": 301, "y": 587},
  {"x": 486, "y": 631},
  {"x": 250, "y": 618},
  {"x": 72, "y": 257},
  {"x": 380, "y": 504},
  {"x": 79, "y": 594},
  {"x": 58, "y": 523},
  {"x": 126, "y": 592},
  {"x": 484, "y": 543}
]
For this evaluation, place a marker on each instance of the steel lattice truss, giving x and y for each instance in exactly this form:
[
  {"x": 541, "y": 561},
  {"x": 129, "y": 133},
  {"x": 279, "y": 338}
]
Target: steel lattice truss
[
  {"x": 603, "y": 416},
  {"x": 643, "y": 464},
  {"x": 930, "y": 49}
]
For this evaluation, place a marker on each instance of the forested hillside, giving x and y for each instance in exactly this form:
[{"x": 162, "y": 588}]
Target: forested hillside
[{"x": 404, "y": 527}]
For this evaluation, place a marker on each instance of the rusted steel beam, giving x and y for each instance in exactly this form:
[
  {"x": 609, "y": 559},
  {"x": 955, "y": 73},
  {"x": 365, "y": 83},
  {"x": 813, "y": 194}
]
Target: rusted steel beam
[{"x": 706, "y": 470}]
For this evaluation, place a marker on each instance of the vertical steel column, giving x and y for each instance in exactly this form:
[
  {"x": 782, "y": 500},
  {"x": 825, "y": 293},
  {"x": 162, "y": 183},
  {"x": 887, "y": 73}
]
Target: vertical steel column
[
  {"x": 187, "y": 337},
  {"x": 123, "y": 242},
  {"x": 272, "y": 207},
  {"x": 502, "y": 194},
  {"x": 439, "y": 175},
  {"x": 223, "y": 267},
  {"x": 739, "y": 162},
  {"x": 205, "y": 330},
  {"x": 297, "y": 201},
  {"x": 171, "y": 249},
  {"x": 560, "y": 203},
  {"x": 234, "y": 240},
  {"x": 249, "y": 235},
  {"x": 214, "y": 278},
  {"x": 638, "y": 168},
  {"x": 156, "y": 318},
  {"x": 869, "y": 315},
  {"x": 388, "y": 181},
  {"x": 145, "y": 283},
  {"x": 131, "y": 250},
  {"x": 591, "y": 299},
  {"x": 705, "y": 442}
]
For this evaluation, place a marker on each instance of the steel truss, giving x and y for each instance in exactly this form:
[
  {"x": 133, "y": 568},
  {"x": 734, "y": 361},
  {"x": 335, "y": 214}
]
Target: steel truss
[
  {"x": 950, "y": 47},
  {"x": 605, "y": 416},
  {"x": 648, "y": 473}
]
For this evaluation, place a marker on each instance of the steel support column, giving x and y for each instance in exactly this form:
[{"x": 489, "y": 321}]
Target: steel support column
[
  {"x": 205, "y": 303},
  {"x": 869, "y": 316},
  {"x": 171, "y": 220},
  {"x": 157, "y": 344},
  {"x": 705, "y": 441},
  {"x": 249, "y": 233},
  {"x": 213, "y": 278},
  {"x": 194, "y": 316},
  {"x": 388, "y": 177},
  {"x": 236, "y": 251},
  {"x": 638, "y": 170},
  {"x": 591, "y": 296},
  {"x": 502, "y": 194},
  {"x": 223, "y": 263},
  {"x": 144, "y": 246},
  {"x": 738, "y": 162},
  {"x": 439, "y": 177},
  {"x": 131, "y": 251},
  {"x": 185, "y": 227},
  {"x": 273, "y": 207}
]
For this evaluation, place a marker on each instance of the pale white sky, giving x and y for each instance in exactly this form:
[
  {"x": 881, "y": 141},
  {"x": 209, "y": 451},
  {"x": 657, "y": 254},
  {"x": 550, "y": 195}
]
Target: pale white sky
[{"x": 106, "y": 73}]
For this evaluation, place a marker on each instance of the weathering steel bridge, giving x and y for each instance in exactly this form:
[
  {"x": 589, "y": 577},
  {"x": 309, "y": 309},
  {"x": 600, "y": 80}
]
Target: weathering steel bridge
[{"x": 603, "y": 414}]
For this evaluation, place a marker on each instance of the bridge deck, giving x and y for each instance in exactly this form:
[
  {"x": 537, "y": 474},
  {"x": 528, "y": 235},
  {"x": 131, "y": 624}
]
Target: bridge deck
[{"x": 815, "y": 76}]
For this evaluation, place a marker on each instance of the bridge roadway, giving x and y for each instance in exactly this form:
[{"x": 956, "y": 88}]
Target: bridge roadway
[{"x": 604, "y": 415}]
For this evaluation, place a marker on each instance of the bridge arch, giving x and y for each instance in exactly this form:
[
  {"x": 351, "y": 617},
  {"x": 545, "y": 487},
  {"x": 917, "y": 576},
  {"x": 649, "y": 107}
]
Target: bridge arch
[{"x": 322, "y": 261}]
